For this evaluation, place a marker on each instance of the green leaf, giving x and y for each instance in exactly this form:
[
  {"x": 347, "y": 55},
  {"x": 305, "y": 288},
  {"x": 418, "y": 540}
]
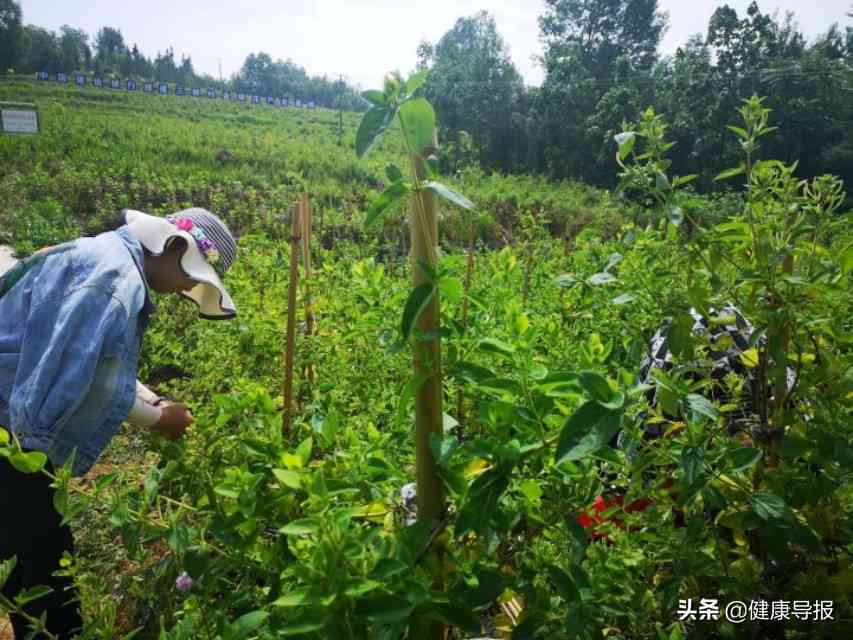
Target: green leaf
[
  {"x": 415, "y": 81},
  {"x": 566, "y": 280},
  {"x": 661, "y": 181},
  {"x": 452, "y": 289},
  {"x": 392, "y": 171},
  {"x": 375, "y": 97},
  {"x": 243, "y": 626},
  {"x": 493, "y": 345},
  {"x": 586, "y": 431},
  {"x": 288, "y": 478},
  {"x": 294, "y": 598},
  {"x": 731, "y": 173},
  {"x": 768, "y": 506},
  {"x": 6, "y": 568},
  {"x": 4, "y": 437},
  {"x": 31, "y": 594},
  {"x": 388, "y": 198},
  {"x": 304, "y": 449},
  {"x": 418, "y": 300},
  {"x": 384, "y": 608},
  {"x": 596, "y": 386},
  {"x": 301, "y": 527},
  {"x": 743, "y": 458},
  {"x": 30, "y": 462},
  {"x": 373, "y": 124},
  {"x": 701, "y": 405},
  {"x": 449, "y": 194},
  {"x": 626, "y": 141},
  {"x": 356, "y": 587},
  {"x": 387, "y": 568},
  {"x": 418, "y": 120},
  {"x": 601, "y": 278},
  {"x": 308, "y": 621},
  {"x": 179, "y": 538},
  {"x": 693, "y": 462},
  {"x": 624, "y": 298},
  {"x": 742, "y": 133}
]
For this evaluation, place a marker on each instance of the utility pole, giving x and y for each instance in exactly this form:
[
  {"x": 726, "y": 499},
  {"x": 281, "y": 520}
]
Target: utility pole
[{"x": 220, "y": 69}]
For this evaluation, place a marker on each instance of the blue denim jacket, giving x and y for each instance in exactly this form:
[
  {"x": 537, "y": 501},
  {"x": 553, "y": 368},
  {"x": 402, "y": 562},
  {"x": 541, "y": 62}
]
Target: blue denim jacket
[{"x": 70, "y": 333}]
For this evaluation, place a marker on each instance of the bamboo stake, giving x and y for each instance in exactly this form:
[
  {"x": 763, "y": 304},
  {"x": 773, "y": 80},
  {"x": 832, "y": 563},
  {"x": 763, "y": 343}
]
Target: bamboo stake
[
  {"x": 307, "y": 220},
  {"x": 469, "y": 270},
  {"x": 287, "y": 415},
  {"x": 423, "y": 223}
]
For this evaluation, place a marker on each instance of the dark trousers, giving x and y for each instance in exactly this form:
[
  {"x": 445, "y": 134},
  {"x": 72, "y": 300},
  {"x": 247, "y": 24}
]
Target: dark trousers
[{"x": 30, "y": 530}]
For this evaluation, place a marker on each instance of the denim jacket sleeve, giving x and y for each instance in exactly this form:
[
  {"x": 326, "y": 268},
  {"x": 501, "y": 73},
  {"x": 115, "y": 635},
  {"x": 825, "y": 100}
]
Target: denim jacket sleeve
[{"x": 70, "y": 357}]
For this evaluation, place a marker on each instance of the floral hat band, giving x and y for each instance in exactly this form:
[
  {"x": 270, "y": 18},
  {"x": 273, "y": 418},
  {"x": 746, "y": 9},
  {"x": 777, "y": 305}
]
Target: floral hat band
[{"x": 205, "y": 245}]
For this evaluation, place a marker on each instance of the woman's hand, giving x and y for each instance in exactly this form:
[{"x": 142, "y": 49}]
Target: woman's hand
[{"x": 174, "y": 420}]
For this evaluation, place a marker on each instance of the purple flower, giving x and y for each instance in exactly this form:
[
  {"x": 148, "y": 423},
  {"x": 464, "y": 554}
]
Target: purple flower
[
  {"x": 184, "y": 582},
  {"x": 205, "y": 245}
]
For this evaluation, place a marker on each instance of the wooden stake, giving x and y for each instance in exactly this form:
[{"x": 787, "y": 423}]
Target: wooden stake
[
  {"x": 307, "y": 220},
  {"x": 287, "y": 415},
  {"x": 469, "y": 270},
  {"x": 423, "y": 224}
]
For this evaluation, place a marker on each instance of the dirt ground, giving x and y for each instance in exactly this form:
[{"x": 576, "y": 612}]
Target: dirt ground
[{"x": 6, "y": 629}]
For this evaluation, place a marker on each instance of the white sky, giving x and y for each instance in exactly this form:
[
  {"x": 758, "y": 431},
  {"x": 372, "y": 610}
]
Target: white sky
[{"x": 361, "y": 39}]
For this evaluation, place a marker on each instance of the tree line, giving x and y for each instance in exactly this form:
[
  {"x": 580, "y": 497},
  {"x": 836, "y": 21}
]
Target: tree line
[
  {"x": 602, "y": 68},
  {"x": 26, "y": 48}
]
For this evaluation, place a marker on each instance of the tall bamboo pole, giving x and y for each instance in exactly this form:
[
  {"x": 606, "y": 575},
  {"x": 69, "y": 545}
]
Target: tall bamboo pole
[
  {"x": 469, "y": 271},
  {"x": 423, "y": 223},
  {"x": 295, "y": 238},
  {"x": 307, "y": 221}
]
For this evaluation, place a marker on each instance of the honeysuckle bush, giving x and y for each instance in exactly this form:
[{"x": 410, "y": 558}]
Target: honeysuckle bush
[{"x": 306, "y": 536}]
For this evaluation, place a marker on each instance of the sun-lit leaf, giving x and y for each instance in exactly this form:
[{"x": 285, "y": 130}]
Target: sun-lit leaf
[
  {"x": 418, "y": 119},
  {"x": 415, "y": 81},
  {"x": 387, "y": 199},
  {"x": 449, "y": 194},
  {"x": 731, "y": 173},
  {"x": 375, "y": 97},
  {"x": 373, "y": 124}
]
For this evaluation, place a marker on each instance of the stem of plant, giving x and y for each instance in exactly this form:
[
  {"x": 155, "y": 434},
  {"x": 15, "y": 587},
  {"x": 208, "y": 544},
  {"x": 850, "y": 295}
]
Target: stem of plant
[{"x": 469, "y": 271}]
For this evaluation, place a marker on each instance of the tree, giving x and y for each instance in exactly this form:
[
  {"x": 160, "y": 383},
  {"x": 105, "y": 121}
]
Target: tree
[
  {"x": 602, "y": 31},
  {"x": 39, "y": 50},
  {"x": 10, "y": 34},
  {"x": 593, "y": 48},
  {"x": 109, "y": 44},
  {"x": 74, "y": 47},
  {"x": 474, "y": 87}
]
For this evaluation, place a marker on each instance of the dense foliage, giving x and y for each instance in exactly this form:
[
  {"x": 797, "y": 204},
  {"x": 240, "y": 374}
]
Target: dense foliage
[{"x": 240, "y": 532}]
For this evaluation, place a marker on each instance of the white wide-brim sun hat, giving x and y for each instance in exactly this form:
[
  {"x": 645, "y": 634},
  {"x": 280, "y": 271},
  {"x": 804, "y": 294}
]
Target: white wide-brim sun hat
[{"x": 154, "y": 233}]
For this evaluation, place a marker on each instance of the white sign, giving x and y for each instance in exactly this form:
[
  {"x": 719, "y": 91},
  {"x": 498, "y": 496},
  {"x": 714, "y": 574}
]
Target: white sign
[
  {"x": 115, "y": 83},
  {"x": 62, "y": 77},
  {"x": 80, "y": 79},
  {"x": 226, "y": 95},
  {"x": 131, "y": 85},
  {"x": 164, "y": 89},
  {"x": 97, "y": 82},
  {"x": 211, "y": 93},
  {"x": 148, "y": 87},
  {"x": 20, "y": 121},
  {"x": 196, "y": 92}
]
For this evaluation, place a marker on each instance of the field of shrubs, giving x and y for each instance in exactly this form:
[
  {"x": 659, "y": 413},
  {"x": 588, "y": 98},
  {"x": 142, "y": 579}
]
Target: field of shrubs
[{"x": 561, "y": 517}]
